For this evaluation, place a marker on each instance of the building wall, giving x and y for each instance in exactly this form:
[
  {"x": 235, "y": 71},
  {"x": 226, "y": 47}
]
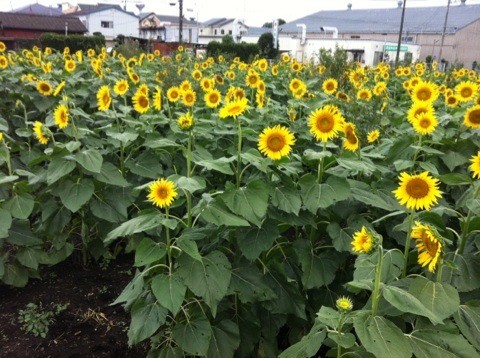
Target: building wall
[
  {"x": 215, "y": 32},
  {"x": 467, "y": 44},
  {"x": 123, "y": 23}
]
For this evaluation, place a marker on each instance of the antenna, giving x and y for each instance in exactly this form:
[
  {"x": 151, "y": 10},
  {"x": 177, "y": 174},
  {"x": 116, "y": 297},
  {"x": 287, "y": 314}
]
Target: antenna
[{"x": 140, "y": 6}]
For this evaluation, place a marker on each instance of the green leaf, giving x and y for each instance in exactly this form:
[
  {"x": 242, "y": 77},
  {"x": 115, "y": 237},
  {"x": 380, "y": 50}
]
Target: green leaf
[
  {"x": 341, "y": 240},
  {"x": 473, "y": 204},
  {"x": 381, "y": 337},
  {"x": 8, "y": 179},
  {"x": 111, "y": 175},
  {"x": 208, "y": 278},
  {"x": 147, "y": 317},
  {"x": 363, "y": 166},
  {"x": 169, "y": 291},
  {"x": 20, "y": 234},
  {"x": 109, "y": 208},
  {"x": 307, "y": 347},
  {"x": 313, "y": 155},
  {"x": 328, "y": 316},
  {"x": 320, "y": 196},
  {"x": 467, "y": 319},
  {"x": 5, "y": 222},
  {"x": 250, "y": 202},
  {"x": 146, "y": 165},
  {"x": 194, "y": 335},
  {"x": 20, "y": 206},
  {"x": 439, "y": 298},
  {"x": 58, "y": 168},
  {"x": 365, "y": 266},
  {"x": 453, "y": 160},
  {"x": 287, "y": 198},
  {"x": 250, "y": 285},
  {"x": 90, "y": 159},
  {"x": 191, "y": 185},
  {"x": 188, "y": 246},
  {"x": 217, "y": 213},
  {"x": 456, "y": 179},
  {"x": 202, "y": 157},
  {"x": 406, "y": 302},
  {"x": 132, "y": 291},
  {"x": 75, "y": 195},
  {"x": 436, "y": 343},
  {"x": 149, "y": 251},
  {"x": 289, "y": 299},
  {"x": 253, "y": 241},
  {"x": 345, "y": 340},
  {"x": 369, "y": 196},
  {"x": 465, "y": 277},
  {"x": 29, "y": 257},
  {"x": 15, "y": 275},
  {"x": 224, "y": 340}
]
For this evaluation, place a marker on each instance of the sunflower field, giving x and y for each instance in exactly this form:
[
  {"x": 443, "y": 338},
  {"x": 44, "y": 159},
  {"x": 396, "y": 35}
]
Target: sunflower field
[{"x": 272, "y": 208}]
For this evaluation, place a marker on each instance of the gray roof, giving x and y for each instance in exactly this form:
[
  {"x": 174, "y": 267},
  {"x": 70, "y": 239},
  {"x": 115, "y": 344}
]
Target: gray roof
[
  {"x": 86, "y": 9},
  {"x": 219, "y": 21},
  {"x": 166, "y": 18},
  {"x": 42, "y": 23},
  {"x": 258, "y": 31},
  {"x": 417, "y": 20},
  {"x": 37, "y": 9}
]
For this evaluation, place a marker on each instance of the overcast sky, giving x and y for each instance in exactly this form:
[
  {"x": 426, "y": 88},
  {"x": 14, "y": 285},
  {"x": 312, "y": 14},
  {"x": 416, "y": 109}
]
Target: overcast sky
[{"x": 254, "y": 12}]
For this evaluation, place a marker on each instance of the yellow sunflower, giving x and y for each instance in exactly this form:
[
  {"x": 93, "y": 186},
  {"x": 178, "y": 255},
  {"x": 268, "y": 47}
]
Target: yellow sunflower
[
  {"x": 59, "y": 88},
  {"x": 325, "y": 123},
  {"x": 3, "y": 47},
  {"x": 104, "y": 99},
  {"x": 157, "y": 98},
  {"x": 344, "y": 304},
  {"x": 372, "y": 136},
  {"x": 452, "y": 101},
  {"x": 466, "y": 91},
  {"x": 121, "y": 87},
  {"x": 429, "y": 245},
  {"x": 261, "y": 86},
  {"x": 188, "y": 98},
  {"x": 133, "y": 77},
  {"x": 197, "y": 75},
  {"x": 173, "y": 94},
  {"x": 364, "y": 94},
  {"x": 185, "y": 86},
  {"x": 380, "y": 88},
  {"x": 425, "y": 123},
  {"x": 475, "y": 166},
  {"x": 234, "y": 108},
  {"x": 330, "y": 85},
  {"x": 351, "y": 142},
  {"x": 419, "y": 108},
  {"x": 162, "y": 193},
  {"x": 342, "y": 96},
  {"x": 252, "y": 79},
  {"x": 363, "y": 241},
  {"x": 61, "y": 116},
  {"x": 38, "y": 130},
  {"x": 185, "y": 122},
  {"x": 212, "y": 98},
  {"x": 3, "y": 62},
  {"x": 70, "y": 65},
  {"x": 144, "y": 89},
  {"x": 425, "y": 91},
  {"x": 141, "y": 103},
  {"x": 472, "y": 117},
  {"x": 296, "y": 84},
  {"x": 260, "y": 99},
  {"x": 44, "y": 88},
  {"x": 207, "y": 84},
  {"x": 276, "y": 142},
  {"x": 418, "y": 191}
]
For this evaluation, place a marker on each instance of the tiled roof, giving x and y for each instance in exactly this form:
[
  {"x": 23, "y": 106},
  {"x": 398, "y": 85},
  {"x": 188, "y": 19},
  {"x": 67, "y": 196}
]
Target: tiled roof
[
  {"x": 219, "y": 21},
  {"x": 166, "y": 18},
  {"x": 12, "y": 20},
  {"x": 87, "y": 9},
  {"x": 417, "y": 20},
  {"x": 37, "y": 9}
]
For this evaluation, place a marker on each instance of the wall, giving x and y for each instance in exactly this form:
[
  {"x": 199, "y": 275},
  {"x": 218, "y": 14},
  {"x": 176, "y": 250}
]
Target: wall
[{"x": 123, "y": 23}]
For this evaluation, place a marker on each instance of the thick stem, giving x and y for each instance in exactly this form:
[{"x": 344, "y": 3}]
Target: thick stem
[
  {"x": 440, "y": 269},
  {"x": 320, "y": 164},
  {"x": 407, "y": 244},
  {"x": 463, "y": 238},
  {"x": 189, "y": 173},
  {"x": 169, "y": 242},
  {"x": 418, "y": 150},
  {"x": 339, "y": 330},
  {"x": 378, "y": 277},
  {"x": 239, "y": 153}
]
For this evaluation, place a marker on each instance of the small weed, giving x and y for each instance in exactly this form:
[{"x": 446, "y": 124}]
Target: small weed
[{"x": 37, "y": 320}]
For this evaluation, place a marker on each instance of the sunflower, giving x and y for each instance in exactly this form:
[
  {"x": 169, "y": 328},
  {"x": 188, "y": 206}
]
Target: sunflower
[
  {"x": 344, "y": 304},
  {"x": 230, "y": 75},
  {"x": 185, "y": 86},
  {"x": 252, "y": 79},
  {"x": 475, "y": 166},
  {"x": 429, "y": 245},
  {"x": 262, "y": 65},
  {"x": 296, "y": 84},
  {"x": 44, "y": 88},
  {"x": 162, "y": 192},
  {"x": 419, "y": 108},
  {"x": 425, "y": 123},
  {"x": 207, "y": 84},
  {"x": 59, "y": 88},
  {"x": 133, "y": 77},
  {"x": 70, "y": 65},
  {"x": 185, "y": 122},
  {"x": 38, "y": 130},
  {"x": 3, "y": 47},
  {"x": 275, "y": 142},
  {"x": 380, "y": 88},
  {"x": 330, "y": 85},
  {"x": 104, "y": 99},
  {"x": 3, "y": 62},
  {"x": 234, "y": 108},
  {"x": 472, "y": 117},
  {"x": 364, "y": 94},
  {"x": 197, "y": 75},
  {"x": 173, "y": 94},
  {"x": 325, "y": 122},
  {"x": 141, "y": 103},
  {"x": 157, "y": 98},
  {"x": 212, "y": 98},
  {"x": 260, "y": 99},
  {"x": 144, "y": 89},
  {"x": 466, "y": 91},
  {"x": 121, "y": 87},
  {"x": 61, "y": 116},
  {"x": 452, "y": 101},
  {"x": 372, "y": 136},
  {"x": 342, "y": 96},
  {"x": 274, "y": 70},
  {"x": 425, "y": 91},
  {"x": 351, "y": 140},
  {"x": 188, "y": 98},
  {"x": 418, "y": 191},
  {"x": 363, "y": 241},
  {"x": 261, "y": 86}
]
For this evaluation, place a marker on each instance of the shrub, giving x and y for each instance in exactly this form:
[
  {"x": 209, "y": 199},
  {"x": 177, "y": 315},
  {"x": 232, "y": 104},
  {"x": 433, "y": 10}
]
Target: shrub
[{"x": 74, "y": 42}]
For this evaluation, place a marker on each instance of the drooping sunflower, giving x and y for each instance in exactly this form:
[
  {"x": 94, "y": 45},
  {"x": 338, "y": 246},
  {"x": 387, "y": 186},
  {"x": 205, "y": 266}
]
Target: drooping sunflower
[
  {"x": 372, "y": 136},
  {"x": 351, "y": 142},
  {"x": 104, "y": 99},
  {"x": 475, "y": 166},
  {"x": 185, "y": 121},
  {"x": 425, "y": 123},
  {"x": 3, "y": 47},
  {"x": 59, "y": 88},
  {"x": 325, "y": 122},
  {"x": 188, "y": 98},
  {"x": 342, "y": 96},
  {"x": 276, "y": 142},
  {"x": 425, "y": 91},
  {"x": 330, "y": 85},
  {"x": 260, "y": 99},
  {"x": 61, "y": 116},
  {"x": 173, "y": 94},
  {"x": 141, "y": 103},
  {"x": 121, "y": 87},
  {"x": 261, "y": 86},
  {"x": 44, "y": 88},
  {"x": 419, "y": 191},
  {"x": 144, "y": 89},
  {"x": 429, "y": 245},
  {"x": 466, "y": 91},
  {"x": 157, "y": 98},
  {"x": 364, "y": 94},
  {"x": 472, "y": 117},
  {"x": 212, "y": 98},
  {"x": 162, "y": 193},
  {"x": 234, "y": 108},
  {"x": 363, "y": 241},
  {"x": 344, "y": 304},
  {"x": 419, "y": 108},
  {"x": 38, "y": 130},
  {"x": 133, "y": 77}
]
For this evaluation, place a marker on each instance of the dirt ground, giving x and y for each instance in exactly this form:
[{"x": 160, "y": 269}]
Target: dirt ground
[{"x": 87, "y": 327}]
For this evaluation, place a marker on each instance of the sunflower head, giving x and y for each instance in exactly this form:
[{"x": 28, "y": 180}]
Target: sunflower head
[
  {"x": 364, "y": 94},
  {"x": 425, "y": 123},
  {"x": 212, "y": 98},
  {"x": 61, "y": 116},
  {"x": 162, "y": 193},
  {"x": 157, "y": 98},
  {"x": 425, "y": 91},
  {"x": 429, "y": 244},
  {"x": 207, "y": 84},
  {"x": 276, "y": 142},
  {"x": 419, "y": 108},
  {"x": 419, "y": 191},
  {"x": 452, "y": 101},
  {"x": 141, "y": 103},
  {"x": 344, "y": 304},
  {"x": 173, "y": 94},
  {"x": 472, "y": 117},
  {"x": 364, "y": 241},
  {"x": 121, "y": 87},
  {"x": 234, "y": 108},
  {"x": 351, "y": 142},
  {"x": 466, "y": 91},
  {"x": 44, "y": 88},
  {"x": 185, "y": 122},
  {"x": 38, "y": 129},
  {"x": 104, "y": 98},
  {"x": 330, "y": 85},
  {"x": 189, "y": 97},
  {"x": 325, "y": 123},
  {"x": 373, "y": 136},
  {"x": 475, "y": 166}
]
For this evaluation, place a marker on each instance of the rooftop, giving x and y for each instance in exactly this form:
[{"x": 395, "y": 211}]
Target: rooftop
[{"x": 12, "y": 20}]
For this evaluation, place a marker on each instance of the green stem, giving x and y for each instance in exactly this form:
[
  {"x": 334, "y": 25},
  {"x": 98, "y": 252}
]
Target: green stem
[
  {"x": 418, "y": 149},
  {"x": 440, "y": 269},
  {"x": 239, "y": 153},
  {"x": 340, "y": 324},
  {"x": 407, "y": 244},
  {"x": 463, "y": 238},
  {"x": 9, "y": 162},
  {"x": 169, "y": 242},
  {"x": 378, "y": 277},
  {"x": 189, "y": 173},
  {"x": 320, "y": 164}
]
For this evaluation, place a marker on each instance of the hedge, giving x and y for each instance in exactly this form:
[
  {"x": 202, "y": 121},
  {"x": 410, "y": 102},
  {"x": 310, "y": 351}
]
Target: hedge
[{"x": 74, "y": 42}]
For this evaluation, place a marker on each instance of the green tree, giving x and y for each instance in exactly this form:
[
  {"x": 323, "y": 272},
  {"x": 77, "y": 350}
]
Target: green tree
[{"x": 266, "y": 45}]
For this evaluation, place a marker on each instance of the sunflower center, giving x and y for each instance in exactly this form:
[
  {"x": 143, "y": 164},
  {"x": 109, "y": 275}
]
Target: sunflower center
[
  {"x": 162, "y": 193},
  {"x": 329, "y": 86},
  {"x": 364, "y": 95},
  {"x": 431, "y": 247},
  {"x": 214, "y": 98},
  {"x": 420, "y": 111},
  {"x": 352, "y": 138},
  {"x": 143, "y": 102},
  {"x": 417, "y": 188},
  {"x": 451, "y": 100},
  {"x": 325, "y": 123},
  {"x": 295, "y": 85},
  {"x": 45, "y": 87},
  {"x": 424, "y": 94},
  {"x": 466, "y": 92},
  {"x": 474, "y": 116},
  {"x": 106, "y": 98},
  {"x": 276, "y": 143},
  {"x": 424, "y": 123}
]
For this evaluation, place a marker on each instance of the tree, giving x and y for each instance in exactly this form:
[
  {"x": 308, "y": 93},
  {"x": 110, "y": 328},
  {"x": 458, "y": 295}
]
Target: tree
[
  {"x": 266, "y": 45},
  {"x": 269, "y": 25}
]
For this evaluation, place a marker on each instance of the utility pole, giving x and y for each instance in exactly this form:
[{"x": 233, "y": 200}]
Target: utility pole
[
  {"x": 397, "y": 56},
  {"x": 443, "y": 32},
  {"x": 180, "y": 21}
]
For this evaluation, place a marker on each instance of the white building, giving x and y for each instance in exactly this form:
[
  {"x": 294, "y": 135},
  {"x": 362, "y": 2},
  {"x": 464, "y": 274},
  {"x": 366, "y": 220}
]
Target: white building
[
  {"x": 166, "y": 28},
  {"x": 215, "y": 29}
]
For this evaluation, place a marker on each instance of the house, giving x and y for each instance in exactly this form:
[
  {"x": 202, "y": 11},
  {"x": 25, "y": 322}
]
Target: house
[
  {"x": 109, "y": 20},
  {"x": 215, "y": 29},
  {"x": 37, "y": 9},
  {"x": 166, "y": 28},
  {"x": 19, "y": 29},
  {"x": 423, "y": 26}
]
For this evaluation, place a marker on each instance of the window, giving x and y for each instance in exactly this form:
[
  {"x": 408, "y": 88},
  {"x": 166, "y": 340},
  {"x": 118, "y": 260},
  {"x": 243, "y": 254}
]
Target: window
[
  {"x": 107, "y": 24},
  {"x": 407, "y": 39},
  {"x": 354, "y": 37},
  {"x": 222, "y": 32},
  {"x": 229, "y": 32},
  {"x": 215, "y": 32}
]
